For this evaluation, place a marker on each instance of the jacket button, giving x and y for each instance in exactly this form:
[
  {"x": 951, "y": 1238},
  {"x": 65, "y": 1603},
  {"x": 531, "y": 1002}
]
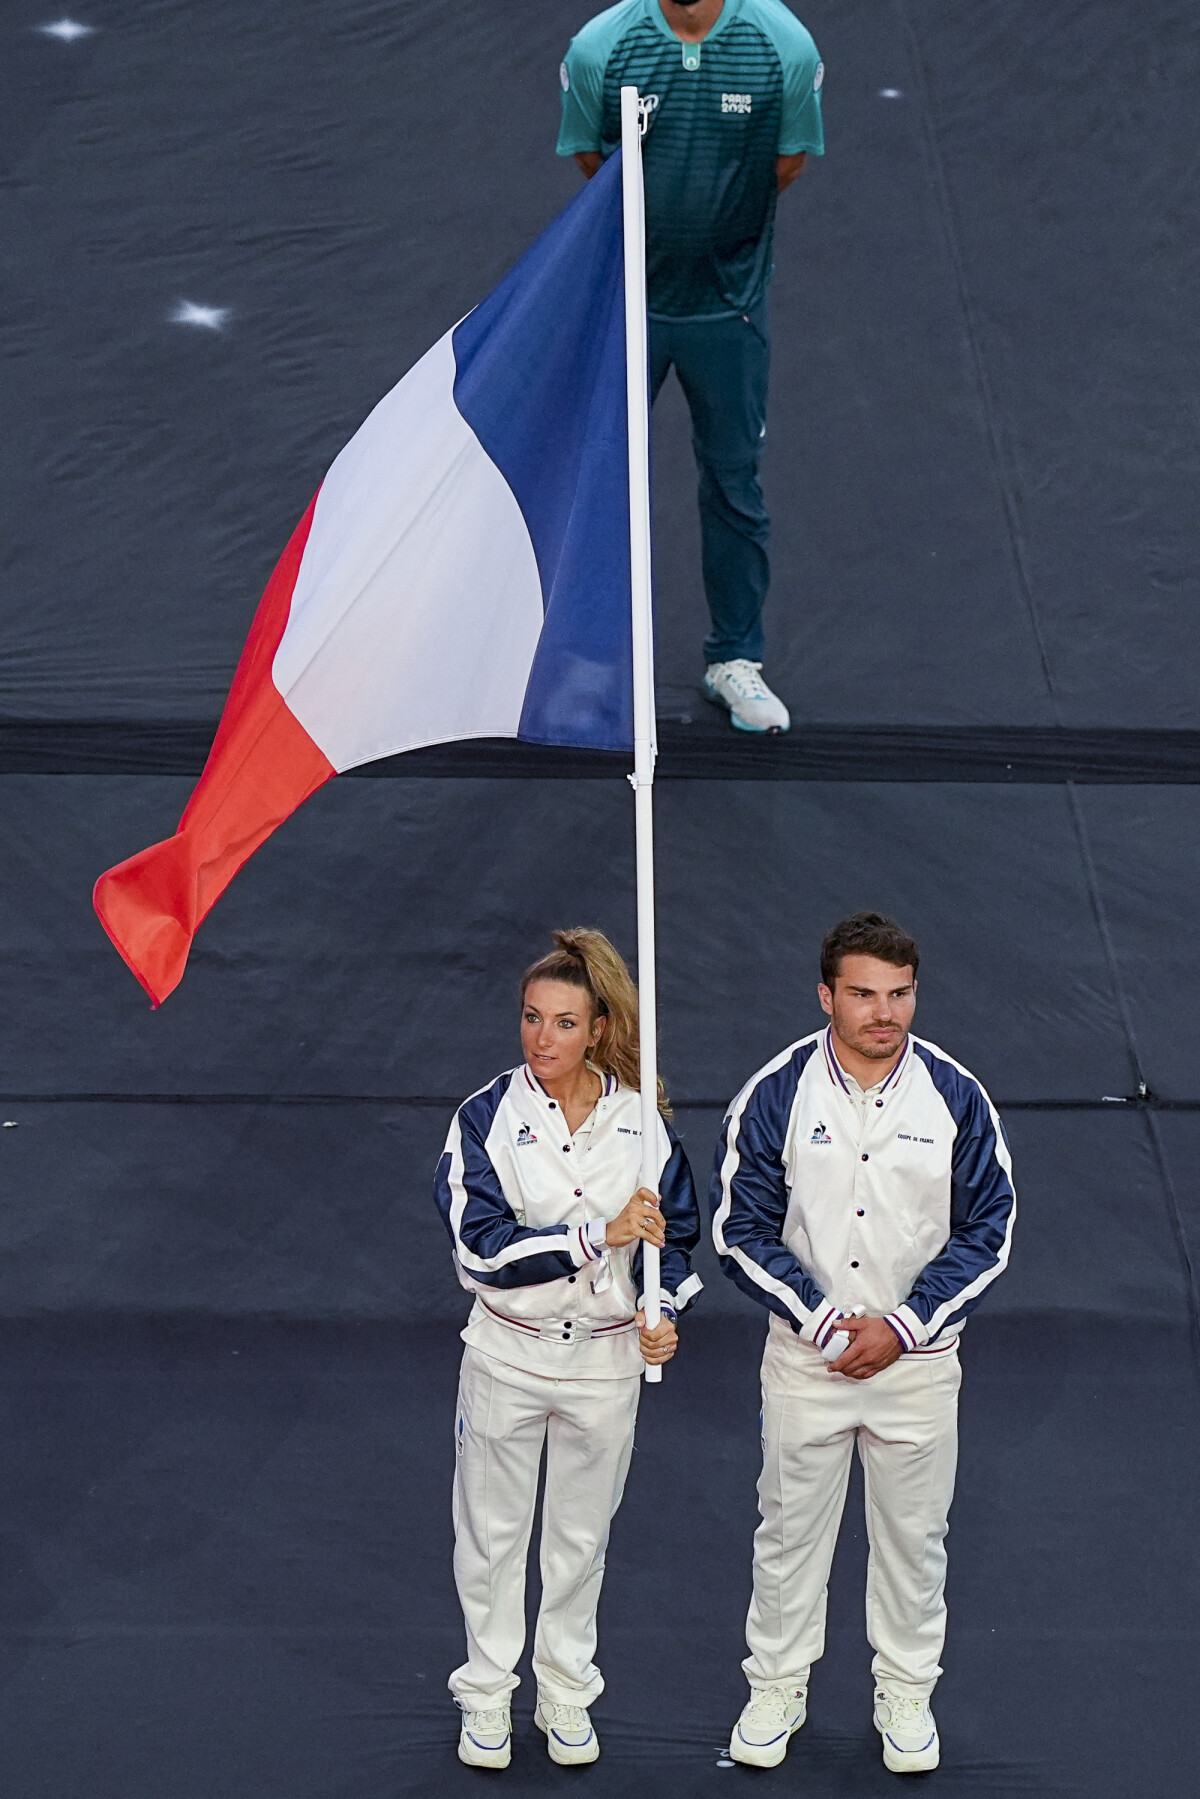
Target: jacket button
[
  {"x": 552, "y": 1106},
  {"x": 566, "y": 1336},
  {"x": 567, "y": 1150},
  {"x": 571, "y": 1280},
  {"x": 854, "y": 1264},
  {"x": 859, "y": 1213},
  {"x": 579, "y": 1192},
  {"x": 866, "y": 1158},
  {"x": 878, "y": 1102}
]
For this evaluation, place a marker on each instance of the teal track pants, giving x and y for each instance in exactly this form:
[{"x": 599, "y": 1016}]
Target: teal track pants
[{"x": 722, "y": 365}]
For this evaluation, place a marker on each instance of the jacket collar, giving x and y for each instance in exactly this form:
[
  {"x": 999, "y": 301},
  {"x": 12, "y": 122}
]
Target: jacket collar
[
  {"x": 531, "y": 1083},
  {"x": 840, "y": 1078}
]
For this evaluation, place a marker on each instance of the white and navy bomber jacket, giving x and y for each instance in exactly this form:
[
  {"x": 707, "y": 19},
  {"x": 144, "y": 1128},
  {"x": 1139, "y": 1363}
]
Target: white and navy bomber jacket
[
  {"x": 904, "y": 1208},
  {"x": 527, "y": 1205}
]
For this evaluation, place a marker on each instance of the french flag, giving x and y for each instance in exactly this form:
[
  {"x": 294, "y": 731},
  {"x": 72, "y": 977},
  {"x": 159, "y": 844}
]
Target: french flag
[{"x": 463, "y": 571}]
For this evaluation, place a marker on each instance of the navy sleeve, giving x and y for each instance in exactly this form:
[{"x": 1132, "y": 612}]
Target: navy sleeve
[
  {"x": 983, "y": 1207},
  {"x": 681, "y": 1210},
  {"x": 492, "y": 1247},
  {"x": 749, "y": 1199}
]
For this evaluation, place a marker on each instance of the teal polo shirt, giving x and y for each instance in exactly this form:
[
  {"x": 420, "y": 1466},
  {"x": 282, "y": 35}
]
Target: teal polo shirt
[{"x": 722, "y": 111}]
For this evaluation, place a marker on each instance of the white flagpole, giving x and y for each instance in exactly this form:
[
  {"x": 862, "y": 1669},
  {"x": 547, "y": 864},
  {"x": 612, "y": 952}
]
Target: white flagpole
[{"x": 645, "y": 747}]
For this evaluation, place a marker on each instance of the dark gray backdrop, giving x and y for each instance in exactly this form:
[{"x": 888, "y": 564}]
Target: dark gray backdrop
[{"x": 225, "y": 1300}]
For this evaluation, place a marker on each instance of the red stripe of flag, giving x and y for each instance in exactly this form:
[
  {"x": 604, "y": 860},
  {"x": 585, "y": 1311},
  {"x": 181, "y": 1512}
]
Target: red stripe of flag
[{"x": 262, "y": 765}]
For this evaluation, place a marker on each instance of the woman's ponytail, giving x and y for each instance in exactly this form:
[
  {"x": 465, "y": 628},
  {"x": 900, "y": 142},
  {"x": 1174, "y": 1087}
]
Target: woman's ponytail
[{"x": 583, "y": 958}]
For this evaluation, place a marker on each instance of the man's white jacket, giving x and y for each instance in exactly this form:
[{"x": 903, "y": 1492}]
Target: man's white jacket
[
  {"x": 526, "y": 1207},
  {"x": 907, "y": 1212}
]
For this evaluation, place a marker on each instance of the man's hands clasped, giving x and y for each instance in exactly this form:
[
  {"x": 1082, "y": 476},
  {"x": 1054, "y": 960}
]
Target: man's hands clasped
[
  {"x": 642, "y": 1222},
  {"x": 874, "y": 1346}
]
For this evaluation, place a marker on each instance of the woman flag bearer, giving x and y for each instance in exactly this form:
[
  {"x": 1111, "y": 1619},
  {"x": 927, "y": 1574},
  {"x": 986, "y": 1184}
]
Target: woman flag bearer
[{"x": 534, "y": 1186}]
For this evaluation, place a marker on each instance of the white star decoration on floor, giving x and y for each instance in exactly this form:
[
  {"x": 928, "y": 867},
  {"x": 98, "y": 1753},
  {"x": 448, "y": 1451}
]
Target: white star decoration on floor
[
  {"x": 208, "y": 318},
  {"x": 66, "y": 29},
  {"x": 889, "y": 93}
]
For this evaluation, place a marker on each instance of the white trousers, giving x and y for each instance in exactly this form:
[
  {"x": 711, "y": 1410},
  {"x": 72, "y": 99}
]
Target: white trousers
[
  {"x": 504, "y": 1417},
  {"x": 905, "y": 1422}
]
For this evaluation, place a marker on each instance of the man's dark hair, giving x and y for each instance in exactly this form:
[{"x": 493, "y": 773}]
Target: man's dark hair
[{"x": 867, "y": 934}]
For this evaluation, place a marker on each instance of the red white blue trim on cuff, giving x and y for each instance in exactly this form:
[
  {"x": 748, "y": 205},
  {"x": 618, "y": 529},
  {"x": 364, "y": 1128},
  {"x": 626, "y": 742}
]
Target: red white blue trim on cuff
[
  {"x": 587, "y": 1249},
  {"x": 827, "y": 1322},
  {"x": 907, "y": 1340}
]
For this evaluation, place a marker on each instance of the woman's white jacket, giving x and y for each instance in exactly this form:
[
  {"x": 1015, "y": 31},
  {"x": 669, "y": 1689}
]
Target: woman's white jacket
[{"x": 526, "y": 1206}]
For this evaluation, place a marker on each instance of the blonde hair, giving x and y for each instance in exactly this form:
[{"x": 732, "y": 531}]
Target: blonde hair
[{"x": 583, "y": 958}]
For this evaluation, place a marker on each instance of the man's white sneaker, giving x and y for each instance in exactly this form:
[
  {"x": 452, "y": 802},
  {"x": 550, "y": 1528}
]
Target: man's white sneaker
[
  {"x": 770, "y": 1720},
  {"x": 910, "y": 1738},
  {"x": 740, "y": 688},
  {"x": 485, "y": 1740},
  {"x": 570, "y": 1737}
]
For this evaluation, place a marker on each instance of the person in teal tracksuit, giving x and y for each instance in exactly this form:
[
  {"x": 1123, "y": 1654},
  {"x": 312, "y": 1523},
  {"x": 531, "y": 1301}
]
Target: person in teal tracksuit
[{"x": 733, "y": 89}]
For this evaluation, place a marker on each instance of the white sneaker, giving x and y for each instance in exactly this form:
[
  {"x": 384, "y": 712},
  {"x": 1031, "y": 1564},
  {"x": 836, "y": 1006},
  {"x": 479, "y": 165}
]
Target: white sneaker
[
  {"x": 740, "y": 688},
  {"x": 570, "y": 1737},
  {"x": 910, "y": 1738},
  {"x": 768, "y": 1723},
  {"x": 485, "y": 1740}
]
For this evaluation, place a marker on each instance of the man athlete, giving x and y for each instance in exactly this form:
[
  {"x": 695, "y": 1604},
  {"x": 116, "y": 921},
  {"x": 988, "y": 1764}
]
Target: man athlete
[
  {"x": 733, "y": 92},
  {"x": 863, "y": 1193}
]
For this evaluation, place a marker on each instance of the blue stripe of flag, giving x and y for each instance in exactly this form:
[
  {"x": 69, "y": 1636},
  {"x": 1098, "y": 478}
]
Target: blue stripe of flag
[{"x": 541, "y": 381}]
